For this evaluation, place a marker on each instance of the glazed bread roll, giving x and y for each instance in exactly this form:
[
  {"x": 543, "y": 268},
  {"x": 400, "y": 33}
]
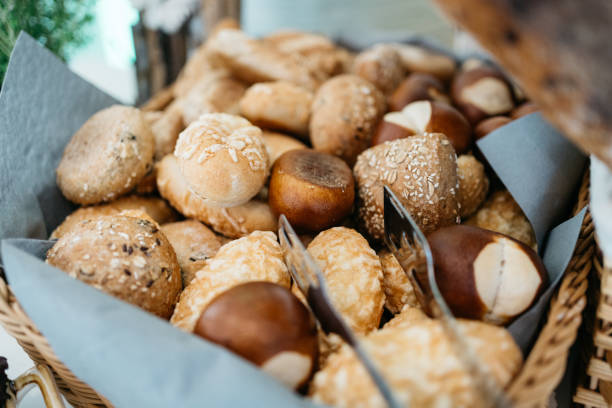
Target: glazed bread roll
[
  {"x": 107, "y": 157},
  {"x": 278, "y": 143},
  {"x": 421, "y": 170},
  {"x": 155, "y": 207},
  {"x": 233, "y": 222},
  {"x": 256, "y": 257},
  {"x": 353, "y": 276},
  {"x": 399, "y": 292},
  {"x": 382, "y": 66},
  {"x": 223, "y": 159},
  {"x": 278, "y": 105},
  {"x": 500, "y": 213},
  {"x": 126, "y": 257},
  {"x": 345, "y": 112},
  {"x": 193, "y": 244},
  {"x": 256, "y": 61},
  {"x": 420, "y": 365},
  {"x": 473, "y": 184}
]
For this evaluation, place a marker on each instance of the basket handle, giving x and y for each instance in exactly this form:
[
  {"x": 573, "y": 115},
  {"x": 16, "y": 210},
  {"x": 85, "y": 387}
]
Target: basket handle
[{"x": 15, "y": 390}]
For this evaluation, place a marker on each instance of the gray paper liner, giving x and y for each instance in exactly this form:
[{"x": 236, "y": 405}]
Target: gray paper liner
[{"x": 147, "y": 362}]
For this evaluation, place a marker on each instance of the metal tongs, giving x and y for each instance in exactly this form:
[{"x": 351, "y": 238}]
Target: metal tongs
[
  {"x": 307, "y": 275},
  {"x": 410, "y": 247}
]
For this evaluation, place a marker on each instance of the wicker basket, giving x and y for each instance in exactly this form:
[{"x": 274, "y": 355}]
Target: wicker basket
[{"x": 532, "y": 387}]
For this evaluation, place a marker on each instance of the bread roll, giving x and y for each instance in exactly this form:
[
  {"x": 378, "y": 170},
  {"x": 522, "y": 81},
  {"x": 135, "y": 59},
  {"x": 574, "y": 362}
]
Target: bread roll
[
  {"x": 500, "y": 213},
  {"x": 126, "y": 257},
  {"x": 256, "y": 257},
  {"x": 421, "y": 170},
  {"x": 420, "y": 365},
  {"x": 419, "y": 59},
  {"x": 233, "y": 222},
  {"x": 166, "y": 130},
  {"x": 353, "y": 276},
  {"x": 223, "y": 159},
  {"x": 107, "y": 156},
  {"x": 345, "y": 112},
  {"x": 278, "y": 143},
  {"x": 399, "y": 292},
  {"x": 278, "y": 105},
  {"x": 193, "y": 244},
  {"x": 382, "y": 66},
  {"x": 473, "y": 184},
  {"x": 155, "y": 207},
  {"x": 256, "y": 61}
]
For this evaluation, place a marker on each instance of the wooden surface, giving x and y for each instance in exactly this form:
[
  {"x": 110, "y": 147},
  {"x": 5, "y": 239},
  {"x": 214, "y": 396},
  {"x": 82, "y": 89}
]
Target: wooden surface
[{"x": 559, "y": 51}]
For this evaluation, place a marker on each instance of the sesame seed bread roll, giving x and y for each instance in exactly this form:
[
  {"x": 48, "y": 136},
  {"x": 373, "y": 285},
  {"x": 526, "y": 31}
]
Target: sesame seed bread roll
[
  {"x": 155, "y": 207},
  {"x": 422, "y": 172},
  {"x": 256, "y": 61},
  {"x": 345, "y": 112},
  {"x": 473, "y": 184},
  {"x": 193, "y": 243},
  {"x": 126, "y": 257},
  {"x": 382, "y": 66},
  {"x": 232, "y": 222},
  {"x": 353, "y": 276},
  {"x": 278, "y": 105},
  {"x": 107, "y": 157},
  {"x": 420, "y": 365},
  {"x": 223, "y": 159},
  {"x": 398, "y": 289},
  {"x": 256, "y": 257},
  {"x": 278, "y": 143}
]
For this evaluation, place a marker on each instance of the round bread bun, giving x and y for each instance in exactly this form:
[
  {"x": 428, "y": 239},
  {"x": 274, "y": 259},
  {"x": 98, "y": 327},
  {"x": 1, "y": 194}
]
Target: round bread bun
[
  {"x": 233, "y": 222},
  {"x": 278, "y": 105},
  {"x": 278, "y": 143},
  {"x": 422, "y": 172},
  {"x": 193, "y": 243},
  {"x": 345, "y": 112},
  {"x": 420, "y": 364},
  {"x": 126, "y": 257},
  {"x": 107, "y": 157},
  {"x": 353, "y": 276},
  {"x": 314, "y": 190},
  {"x": 256, "y": 257},
  {"x": 223, "y": 159},
  {"x": 399, "y": 292},
  {"x": 473, "y": 184},
  {"x": 155, "y": 207},
  {"x": 382, "y": 66}
]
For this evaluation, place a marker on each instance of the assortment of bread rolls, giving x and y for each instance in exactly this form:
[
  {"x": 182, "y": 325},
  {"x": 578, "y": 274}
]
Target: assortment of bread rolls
[{"x": 293, "y": 124}]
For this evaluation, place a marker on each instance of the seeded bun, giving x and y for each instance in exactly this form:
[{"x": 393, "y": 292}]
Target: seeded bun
[
  {"x": 223, "y": 159},
  {"x": 473, "y": 184},
  {"x": 233, "y": 222},
  {"x": 278, "y": 105},
  {"x": 345, "y": 112},
  {"x": 126, "y": 257},
  {"x": 107, "y": 157},
  {"x": 421, "y": 170}
]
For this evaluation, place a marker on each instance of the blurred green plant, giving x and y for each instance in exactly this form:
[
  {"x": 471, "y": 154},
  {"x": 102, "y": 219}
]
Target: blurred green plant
[{"x": 59, "y": 25}]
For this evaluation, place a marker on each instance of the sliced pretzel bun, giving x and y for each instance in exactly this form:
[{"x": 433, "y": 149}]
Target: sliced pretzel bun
[
  {"x": 421, "y": 170},
  {"x": 223, "y": 159}
]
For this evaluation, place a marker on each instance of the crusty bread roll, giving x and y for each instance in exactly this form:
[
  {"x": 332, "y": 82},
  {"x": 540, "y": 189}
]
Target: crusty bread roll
[
  {"x": 500, "y": 213},
  {"x": 202, "y": 63},
  {"x": 155, "y": 207},
  {"x": 421, "y": 170},
  {"x": 126, "y": 257},
  {"x": 278, "y": 143},
  {"x": 193, "y": 244},
  {"x": 399, "y": 292},
  {"x": 223, "y": 159},
  {"x": 107, "y": 156},
  {"x": 473, "y": 184},
  {"x": 233, "y": 222},
  {"x": 419, "y": 59},
  {"x": 278, "y": 105},
  {"x": 420, "y": 365},
  {"x": 345, "y": 112},
  {"x": 215, "y": 92},
  {"x": 381, "y": 65},
  {"x": 256, "y": 257},
  {"x": 353, "y": 276},
  {"x": 166, "y": 129},
  {"x": 256, "y": 61}
]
